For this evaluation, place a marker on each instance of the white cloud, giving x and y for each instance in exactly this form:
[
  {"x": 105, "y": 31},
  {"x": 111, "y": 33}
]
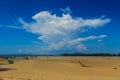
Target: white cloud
[
  {"x": 100, "y": 40},
  {"x": 81, "y": 47},
  {"x": 20, "y": 50},
  {"x": 46, "y": 23},
  {"x": 60, "y": 32},
  {"x": 66, "y": 10},
  {"x": 95, "y": 22},
  {"x": 14, "y": 27},
  {"x": 79, "y": 40}
]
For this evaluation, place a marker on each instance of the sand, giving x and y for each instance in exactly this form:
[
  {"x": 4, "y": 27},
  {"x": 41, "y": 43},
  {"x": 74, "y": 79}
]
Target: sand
[{"x": 62, "y": 68}]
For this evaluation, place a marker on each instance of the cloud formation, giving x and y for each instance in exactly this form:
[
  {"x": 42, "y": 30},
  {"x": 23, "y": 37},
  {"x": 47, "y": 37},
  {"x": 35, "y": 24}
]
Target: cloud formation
[
  {"x": 61, "y": 32},
  {"x": 66, "y": 10},
  {"x": 12, "y": 27},
  {"x": 76, "y": 41}
]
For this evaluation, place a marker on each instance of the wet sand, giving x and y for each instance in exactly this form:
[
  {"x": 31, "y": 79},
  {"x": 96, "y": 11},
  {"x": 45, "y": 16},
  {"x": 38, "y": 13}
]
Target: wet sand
[{"x": 62, "y": 68}]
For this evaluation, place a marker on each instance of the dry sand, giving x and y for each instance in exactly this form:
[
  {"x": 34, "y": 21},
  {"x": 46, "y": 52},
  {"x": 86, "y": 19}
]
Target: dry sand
[{"x": 62, "y": 68}]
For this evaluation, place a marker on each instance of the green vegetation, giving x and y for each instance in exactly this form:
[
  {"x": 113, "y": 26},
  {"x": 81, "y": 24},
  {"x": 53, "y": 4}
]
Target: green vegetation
[{"x": 90, "y": 54}]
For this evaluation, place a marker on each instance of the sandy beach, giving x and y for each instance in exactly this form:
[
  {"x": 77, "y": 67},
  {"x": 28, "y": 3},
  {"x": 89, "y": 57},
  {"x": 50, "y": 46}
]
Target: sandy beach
[{"x": 61, "y": 68}]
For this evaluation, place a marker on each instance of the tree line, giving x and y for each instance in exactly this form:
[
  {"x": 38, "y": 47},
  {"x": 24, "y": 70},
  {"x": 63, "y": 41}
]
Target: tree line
[{"x": 89, "y": 54}]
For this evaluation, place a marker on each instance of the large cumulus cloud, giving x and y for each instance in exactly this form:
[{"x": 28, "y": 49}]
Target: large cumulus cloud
[{"x": 61, "y": 32}]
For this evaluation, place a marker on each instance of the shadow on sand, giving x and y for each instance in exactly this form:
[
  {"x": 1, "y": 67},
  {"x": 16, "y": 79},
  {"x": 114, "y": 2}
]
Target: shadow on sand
[
  {"x": 83, "y": 65},
  {"x": 5, "y": 69}
]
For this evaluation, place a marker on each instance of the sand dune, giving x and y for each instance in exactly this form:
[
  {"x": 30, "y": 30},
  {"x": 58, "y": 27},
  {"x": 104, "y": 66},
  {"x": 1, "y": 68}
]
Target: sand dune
[{"x": 62, "y": 68}]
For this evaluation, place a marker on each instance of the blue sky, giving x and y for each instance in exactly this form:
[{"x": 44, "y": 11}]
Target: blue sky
[{"x": 59, "y": 26}]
